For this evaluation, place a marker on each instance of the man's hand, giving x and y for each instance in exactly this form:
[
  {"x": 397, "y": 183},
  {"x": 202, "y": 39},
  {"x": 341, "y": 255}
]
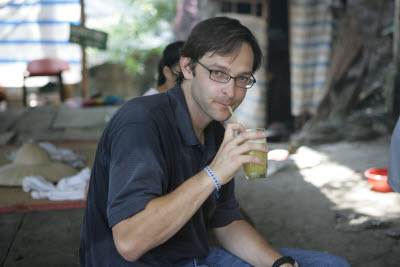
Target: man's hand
[
  {"x": 242, "y": 240},
  {"x": 230, "y": 158}
]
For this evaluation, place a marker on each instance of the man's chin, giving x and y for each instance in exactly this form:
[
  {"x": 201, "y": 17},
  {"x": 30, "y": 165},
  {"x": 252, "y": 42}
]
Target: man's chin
[
  {"x": 222, "y": 118},
  {"x": 220, "y": 114}
]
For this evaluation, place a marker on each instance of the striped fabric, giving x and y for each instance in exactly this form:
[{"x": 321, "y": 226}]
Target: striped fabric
[
  {"x": 252, "y": 112},
  {"x": 310, "y": 47},
  {"x": 35, "y": 29}
]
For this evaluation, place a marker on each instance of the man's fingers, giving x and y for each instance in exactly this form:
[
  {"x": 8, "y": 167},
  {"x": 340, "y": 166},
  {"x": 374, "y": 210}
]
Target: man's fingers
[
  {"x": 252, "y": 159},
  {"x": 231, "y": 128},
  {"x": 244, "y": 136},
  {"x": 251, "y": 146},
  {"x": 255, "y": 134}
]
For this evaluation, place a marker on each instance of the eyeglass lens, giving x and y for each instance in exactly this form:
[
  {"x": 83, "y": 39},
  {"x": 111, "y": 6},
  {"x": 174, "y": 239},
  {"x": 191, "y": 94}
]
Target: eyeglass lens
[{"x": 221, "y": 77}]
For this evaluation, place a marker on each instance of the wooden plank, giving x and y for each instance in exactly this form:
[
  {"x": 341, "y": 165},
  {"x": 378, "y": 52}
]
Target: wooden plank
[
  {"x": 396, "y": 32},
  {"x": 9, "y": 223},
  {"x": 347, "y": 47},
  {"x": 46, "y": 238}
]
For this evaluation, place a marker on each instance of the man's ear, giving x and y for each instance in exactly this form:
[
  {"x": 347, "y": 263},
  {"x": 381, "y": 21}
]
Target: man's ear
[{"x": 185, "y": 67}]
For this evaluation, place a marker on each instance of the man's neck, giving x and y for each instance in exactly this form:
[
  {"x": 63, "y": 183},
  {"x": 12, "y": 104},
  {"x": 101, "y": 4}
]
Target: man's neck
[{"x": 197, "y": 116}]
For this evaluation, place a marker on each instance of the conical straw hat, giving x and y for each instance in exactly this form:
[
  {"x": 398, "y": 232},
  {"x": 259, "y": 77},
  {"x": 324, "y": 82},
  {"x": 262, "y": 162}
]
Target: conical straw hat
[{"x": 32, "y": 159}]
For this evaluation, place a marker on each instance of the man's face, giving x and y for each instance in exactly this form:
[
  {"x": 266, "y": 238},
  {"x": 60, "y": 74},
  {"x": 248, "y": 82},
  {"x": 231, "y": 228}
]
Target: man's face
[{"x": 212, "y": 98}]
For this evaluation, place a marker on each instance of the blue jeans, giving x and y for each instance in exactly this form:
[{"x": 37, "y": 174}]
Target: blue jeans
[{"x": 305, "y": 258}]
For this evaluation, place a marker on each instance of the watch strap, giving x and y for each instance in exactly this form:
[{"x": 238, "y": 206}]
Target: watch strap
[{"x": 283, "y": 260}]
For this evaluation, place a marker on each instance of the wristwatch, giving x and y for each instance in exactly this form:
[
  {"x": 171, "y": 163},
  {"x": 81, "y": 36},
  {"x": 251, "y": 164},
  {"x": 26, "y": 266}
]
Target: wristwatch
[{"x": 283, "y": 260}]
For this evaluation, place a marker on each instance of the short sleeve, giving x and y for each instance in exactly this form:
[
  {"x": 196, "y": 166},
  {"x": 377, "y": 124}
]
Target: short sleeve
[
  {"x": 394, "y": 160},
  {"x": 227, "y": 207},
  {"x": 137, "y": 170}
]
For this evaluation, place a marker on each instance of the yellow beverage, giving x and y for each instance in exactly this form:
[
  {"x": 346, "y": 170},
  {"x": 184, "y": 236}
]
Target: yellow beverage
[{"x": 255, "y": 171}]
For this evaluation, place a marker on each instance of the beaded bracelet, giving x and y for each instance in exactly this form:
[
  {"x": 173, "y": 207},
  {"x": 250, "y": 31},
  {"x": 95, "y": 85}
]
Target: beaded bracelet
[
  {"x": 213, "y": 177},
  {"x": 215, "y": 180}
]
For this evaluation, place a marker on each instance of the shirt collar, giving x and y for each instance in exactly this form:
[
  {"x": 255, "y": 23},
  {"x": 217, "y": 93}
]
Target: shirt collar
[
  {"x": 184, "y": 122},
  {"x": 182, "y": 116}
]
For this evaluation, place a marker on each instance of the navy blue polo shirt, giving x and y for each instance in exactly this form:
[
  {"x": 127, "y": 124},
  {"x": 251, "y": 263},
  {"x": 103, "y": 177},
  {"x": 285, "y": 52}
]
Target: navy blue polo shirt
[{"x": 147, "y": 150}]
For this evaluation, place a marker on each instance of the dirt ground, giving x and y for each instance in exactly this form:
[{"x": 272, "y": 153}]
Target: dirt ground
[
  {"x": 322, "y": 201},
  {"x": 318, "y": 200}
]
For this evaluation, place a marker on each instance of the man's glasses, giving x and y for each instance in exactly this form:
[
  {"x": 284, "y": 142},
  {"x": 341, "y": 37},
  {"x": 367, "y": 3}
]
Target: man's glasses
[{"x": 222, "y": 77}]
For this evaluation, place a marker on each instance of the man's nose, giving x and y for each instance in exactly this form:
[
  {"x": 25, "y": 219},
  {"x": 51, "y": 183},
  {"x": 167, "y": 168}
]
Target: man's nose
[{"x": 229, "y": 89}]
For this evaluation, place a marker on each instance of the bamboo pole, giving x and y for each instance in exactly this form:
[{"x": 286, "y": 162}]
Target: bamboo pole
[
  {"x": 84, "y": 82},
  {"x": 396, "y": 44}
]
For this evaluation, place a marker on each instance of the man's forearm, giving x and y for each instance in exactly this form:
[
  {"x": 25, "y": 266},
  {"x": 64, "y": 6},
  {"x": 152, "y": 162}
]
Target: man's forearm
[
  {"x": 242, "y": 240},
  {"x": 161, "y": 218}
]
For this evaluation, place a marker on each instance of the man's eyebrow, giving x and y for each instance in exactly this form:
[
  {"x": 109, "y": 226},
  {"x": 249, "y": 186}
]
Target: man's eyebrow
[{"x": 225, "y": 69}]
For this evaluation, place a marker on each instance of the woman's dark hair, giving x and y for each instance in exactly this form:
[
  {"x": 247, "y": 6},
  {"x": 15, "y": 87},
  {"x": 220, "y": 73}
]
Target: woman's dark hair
[
  {"x": 222, "y": 36},
  {"x": 171, "y": 56}
]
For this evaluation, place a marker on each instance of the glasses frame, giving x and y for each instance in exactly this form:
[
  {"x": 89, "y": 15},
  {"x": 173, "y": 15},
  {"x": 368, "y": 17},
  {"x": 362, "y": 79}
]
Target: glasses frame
[{"x": 230, "y": 77}]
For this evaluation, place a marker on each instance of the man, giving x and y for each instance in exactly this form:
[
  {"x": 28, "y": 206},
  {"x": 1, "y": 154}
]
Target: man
[
  {"x": 167, "y": 68},
  {"x": 150, "y": 201},
  {"x": 394, "y": 159}
]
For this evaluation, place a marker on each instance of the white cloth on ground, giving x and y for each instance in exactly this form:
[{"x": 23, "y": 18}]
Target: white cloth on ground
[
  {"x": 64, "y": 155},
  {"x": 68, "y": 188}
]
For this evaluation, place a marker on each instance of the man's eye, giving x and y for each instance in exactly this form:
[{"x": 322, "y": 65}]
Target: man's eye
[
  {"x": 217, "y": 73},
  {"x": 243, "y": 78}
]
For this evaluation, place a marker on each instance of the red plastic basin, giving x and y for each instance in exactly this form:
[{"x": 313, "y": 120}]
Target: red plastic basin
[{"x": 377, "y": 177}]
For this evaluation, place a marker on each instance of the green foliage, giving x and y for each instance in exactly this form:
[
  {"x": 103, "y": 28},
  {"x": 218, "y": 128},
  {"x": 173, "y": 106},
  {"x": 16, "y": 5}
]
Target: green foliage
[
  {"x": 150, "y": 15},
  {"x": 140, "y": 29}
]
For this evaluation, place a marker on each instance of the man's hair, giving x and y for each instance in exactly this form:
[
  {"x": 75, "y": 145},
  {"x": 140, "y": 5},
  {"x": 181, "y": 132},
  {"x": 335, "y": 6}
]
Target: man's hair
[
  {"x": 171, "y": 56},
  {"x": 222, "y": 36}
]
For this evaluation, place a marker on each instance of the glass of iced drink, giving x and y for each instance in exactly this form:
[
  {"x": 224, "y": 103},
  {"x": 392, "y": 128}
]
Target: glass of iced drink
[{"x": 252, "y": 170}]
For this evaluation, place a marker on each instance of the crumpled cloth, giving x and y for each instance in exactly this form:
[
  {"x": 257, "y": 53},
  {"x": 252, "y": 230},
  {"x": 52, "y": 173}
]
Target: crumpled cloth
[
  {"x": 64, "y": 155},
  {"x": 68, "y": 188}
]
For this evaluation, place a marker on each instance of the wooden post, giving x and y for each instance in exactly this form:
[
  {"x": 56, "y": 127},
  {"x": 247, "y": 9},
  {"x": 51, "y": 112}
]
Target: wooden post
[
  {"x": 84, "y": 82},
  {"x": 396, "y": 39}
]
